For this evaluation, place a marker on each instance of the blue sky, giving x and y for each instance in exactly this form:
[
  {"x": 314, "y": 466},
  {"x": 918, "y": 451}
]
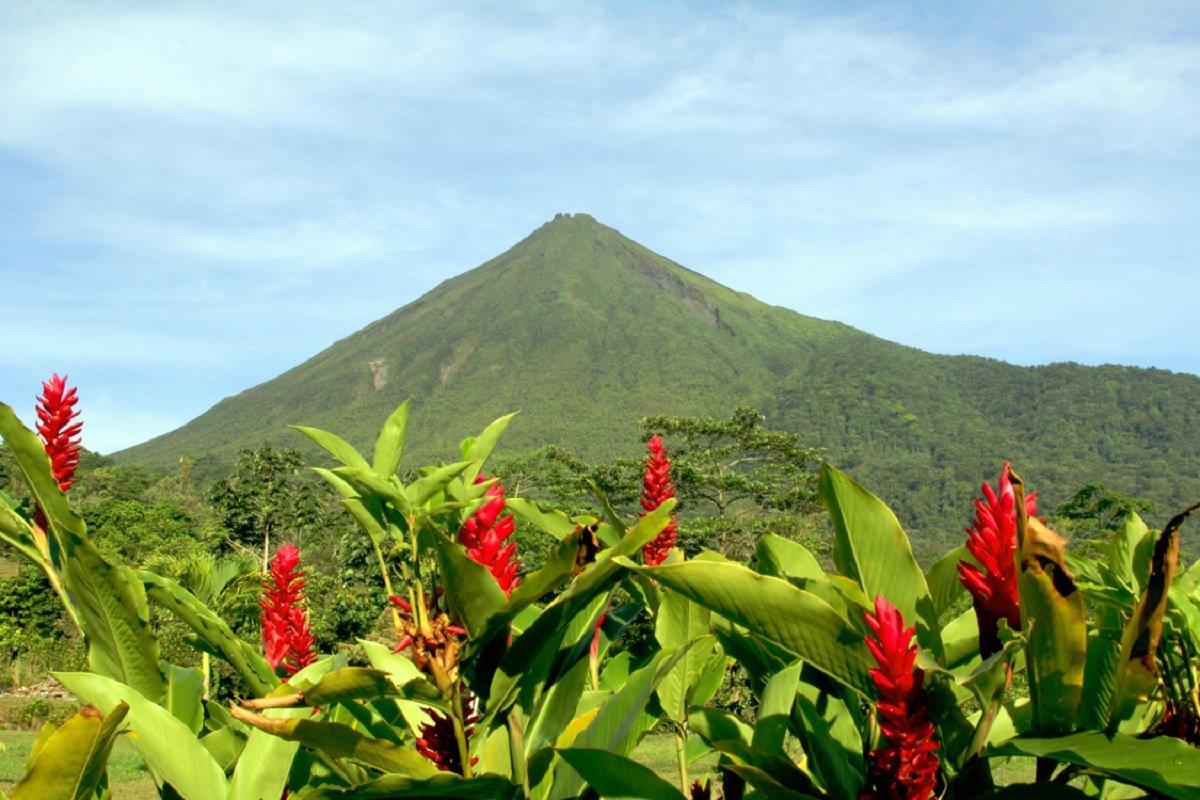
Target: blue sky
[{"x": 195, "y": 198}]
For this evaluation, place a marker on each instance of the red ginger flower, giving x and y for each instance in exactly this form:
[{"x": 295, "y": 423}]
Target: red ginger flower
[
  {"x": 60, "y": 433},
  {"x": 907, "y": 768},
  {"x": 485, "y": 534},
  {"x": 287, "y": 640},
  {"x": 437, "y": 741},
  {"x": 993, "y": 542},
  {"x": 657, "y": 488}
]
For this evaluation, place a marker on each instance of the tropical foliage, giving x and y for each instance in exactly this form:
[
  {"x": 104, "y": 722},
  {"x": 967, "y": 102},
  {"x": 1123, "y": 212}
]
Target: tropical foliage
[{"x": 873, "y": 679}]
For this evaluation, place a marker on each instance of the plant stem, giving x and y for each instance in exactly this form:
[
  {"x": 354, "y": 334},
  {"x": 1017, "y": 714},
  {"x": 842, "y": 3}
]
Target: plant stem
[
  {"x": 460, "y": 733},
  {"x": 387, "y": 585},
  {"x": 681, "y": 755},
  {"x": 516, "y": 751}
]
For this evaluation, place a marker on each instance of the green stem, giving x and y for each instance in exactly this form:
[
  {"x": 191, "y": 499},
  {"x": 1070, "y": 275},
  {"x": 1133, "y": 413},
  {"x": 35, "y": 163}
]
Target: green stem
[
  {"x": 460, "y": 733},
  {"x": 387, "y": 585},
  {"x": 681, "y": 755},
  {"x": 516, "y": 751}
]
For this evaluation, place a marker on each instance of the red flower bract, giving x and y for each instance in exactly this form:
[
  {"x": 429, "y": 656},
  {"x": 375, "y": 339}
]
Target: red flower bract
[
  {"x": 287, "y": 640},
  {"x": 485, "y": 534},
  {"x": 657, "y": 488},
  {"x": 992, "y": 540},
  {"x": 907, "y": 768},
  {"x": 60, "y": 433},
  {"x": 437, "y": 741}
]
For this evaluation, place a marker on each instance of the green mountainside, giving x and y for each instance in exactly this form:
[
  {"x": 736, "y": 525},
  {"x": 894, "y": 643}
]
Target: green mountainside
[{"x": 584, "y": 331}]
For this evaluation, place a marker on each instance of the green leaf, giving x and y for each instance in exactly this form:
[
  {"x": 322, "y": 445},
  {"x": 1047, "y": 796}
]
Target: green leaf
[
  {"x": 784, "y": 558},
  {"x": 185, "y": 689},
  {"x": 212, "y": 631},
  {"x": 775, "y": 709},
  {"x": 262, "y": 771},
  {"x": 425, "y": 487},
  {"x": 624, "y": 718},
  {"x": 798, "y": 620},
  {"x": 344, "y": 452},
  {"x": 616, "y": 777},
  {"x": 472, "y": 592},
  {"x": 871, "y": 547},
  {"x": 478, "y": 448},
  {"x": 170, "y": 749},
  {"x": 442, "y": 786},
  {"x": 341, "y": 741},
  {"x": 388, "y": 489},
  {"x": 1162, "y": 764},
  {"x": 826, "y": 729},
  {"x": 115, "y": 619},
  {"x": 70, "y": 763},
  {"x": 942, "y": 578},
  {"x": 679, "y": 622},
  {"x": 552, "y": 521},
  {"x": 366, "y": 511},
  {"x": 389, "y": 447}
]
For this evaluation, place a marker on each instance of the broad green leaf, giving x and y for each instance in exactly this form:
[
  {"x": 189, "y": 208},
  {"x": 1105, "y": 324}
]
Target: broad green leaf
[
  {"x": 70, "y": 763},
  {"x": 775, "y": 775},
  {"x": 169, "y": 748},
  {"x": 784, "y": 558},
  {"x": 871, "y": 547},
  {"x": 826, "y": 729},
  {"x": 558, "y": 707},
  {"x": 796, "y": 619},
  {"x": 615, "y": 777},
  {"x": 679, "y": 622},
  {"x": 624, "y": 718},
  {"x": 434, "y": 481},
  {"x": 1052, "y": 617},
  {"x": 262, "y": 771},
  {"x": 552, "y": 521},
  {"x": 718, "y": 725},
  {"x": 346, "y": 684},
  {"x": 477, "y": 449},
  {"x": 775, "y": 709},
  {"x": 1162, "y": 764},
  {"x": 225, "y": 745},
  {"x": 388, "y": 489},
  {"x": 1123, "y": 548},
  {"x": 472, "y": 592},
  {"x": 389, "y": 447},
  {"x": 366, "y": 511},
  {"x": 185, "y": 689},
  {"x": 342, "y": 741},
  {"x": 442, "y": 786},
  {"x": 111, "y": 602},
  {"x": 342, "y": 451},
  {"x": 942, "y": 578},
  {"x": 212, "y": 631}
]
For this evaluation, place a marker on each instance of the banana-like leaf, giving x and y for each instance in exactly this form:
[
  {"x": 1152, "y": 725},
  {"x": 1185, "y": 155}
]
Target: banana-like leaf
[
  {"x": 346, "y": 684},
  {"x": 389, "y": 447},
  {"x": 1137, "y": 665},
  {"x": 425, "y": 487},
  {"x": 112, "y": 608},
  {"x": 472, "y": 592},
  {"x": 773, "y": 608},
  {"x": 216, "y": 635},
  {"x": 477, "y": 448},
  {"x": 31, "y": 458},
  {"x": 871, "y": 547},
  {"x": 1037, "y": 791},
  {"x": 1163, "y": 764},
  {"x": 615, "y": 777},
  {"x": 366, "y": 511},
  {"x": 783, "y": 558},
  {"x": 775, "y": 709},
  {"x": 679, "y": 622},
  {"x": 170, "y": 749},
  {"x": 388, "y": 489},
  {"x": 552, "y": 521},
  {"x": 624, "y": 718},
  {"x": 345, "y": 453},
  {"x": 342, "y": 741},
  {"x": 824, "y": 724},
  {"x": 942, "y": 578},
  {"x": 772, "y": 774},
  {"x": 1052, "y": 616},
  {"x": 185, "y": 690},
  {"x": 262, "y": 771},
  {"x": 70, "y": 764}
]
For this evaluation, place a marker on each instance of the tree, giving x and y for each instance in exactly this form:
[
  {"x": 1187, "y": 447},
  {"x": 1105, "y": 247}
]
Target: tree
[
  {"x": 265, "y": 497},
  {"x": 1102, "y": 507}
]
